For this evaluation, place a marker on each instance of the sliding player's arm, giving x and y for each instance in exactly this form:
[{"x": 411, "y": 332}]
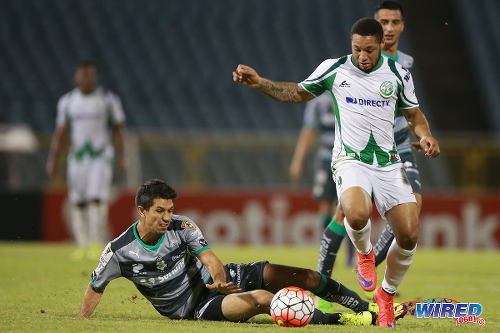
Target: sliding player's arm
[
  {"x": 90, "y": 301},
  {"x": 420, "y": 127},
  {"x": 217, "y": 272},
  {"x": 286, "y": 92}
]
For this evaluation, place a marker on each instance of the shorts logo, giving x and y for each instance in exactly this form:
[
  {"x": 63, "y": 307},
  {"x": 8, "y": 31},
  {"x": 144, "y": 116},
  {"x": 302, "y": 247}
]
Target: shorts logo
[
  {"x": 339, "y": 181},
  {"x": 386, "y": 89}
]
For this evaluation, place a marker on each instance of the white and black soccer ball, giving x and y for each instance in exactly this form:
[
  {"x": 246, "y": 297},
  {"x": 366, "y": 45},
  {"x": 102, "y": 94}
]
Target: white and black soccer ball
[{"x": 292, "y": 307}]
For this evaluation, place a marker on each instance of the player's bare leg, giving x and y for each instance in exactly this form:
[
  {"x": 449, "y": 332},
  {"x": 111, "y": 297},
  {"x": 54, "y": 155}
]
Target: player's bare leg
[
  {"x": 243, "y": 306},
  {"x": 357, "y": 206},
  {"x": 404, "y": 221},
  {"x": 385, "y": 240}
]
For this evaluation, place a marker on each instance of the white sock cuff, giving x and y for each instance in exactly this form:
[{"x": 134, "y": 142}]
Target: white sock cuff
[
  {"x": 404, "y": 252},
  {"x": 366, "y": 227}
]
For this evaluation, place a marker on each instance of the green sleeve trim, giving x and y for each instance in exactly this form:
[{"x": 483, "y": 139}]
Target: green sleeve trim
[
  {"x": 314, "y": 88},
  {"x": 201, "y": 250},
  {"x": 208, "y": 279},
  {"x": 93, "y": 285},
  {"x": 337, "y": 228},
  {"x": 321, "y": 286}
]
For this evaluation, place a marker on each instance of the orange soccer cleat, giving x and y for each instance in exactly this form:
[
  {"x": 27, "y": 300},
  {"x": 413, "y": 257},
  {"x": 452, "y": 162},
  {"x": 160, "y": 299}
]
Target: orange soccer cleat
[
  {"x": 385, "y": 304},
  {"x": 367, "y": 276}
]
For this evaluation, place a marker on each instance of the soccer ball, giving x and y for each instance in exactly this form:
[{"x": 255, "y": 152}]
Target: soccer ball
[{"x": 292, "y": 307}]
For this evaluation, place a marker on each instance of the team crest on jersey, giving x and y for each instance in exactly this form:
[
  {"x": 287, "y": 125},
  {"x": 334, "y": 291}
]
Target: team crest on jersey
[
  {"x": 188, "y": 225},
  {"x": 160, "y": 264},
  {"x": 386, "y": 89}
]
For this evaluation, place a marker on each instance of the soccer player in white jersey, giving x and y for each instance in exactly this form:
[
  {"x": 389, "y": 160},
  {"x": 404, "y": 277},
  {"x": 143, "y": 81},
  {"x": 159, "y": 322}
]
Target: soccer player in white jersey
[
  {"x": 390, "y": 16},
  {"x": 91, "y": 116},
  {"x": 365, "y": 161}
]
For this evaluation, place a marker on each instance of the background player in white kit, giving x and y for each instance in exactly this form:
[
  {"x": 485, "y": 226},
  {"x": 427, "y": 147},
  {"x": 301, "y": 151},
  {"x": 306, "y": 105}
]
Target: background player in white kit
[
  {"x": 365, "y": 161},
  {"x": 91, "y": 116}
]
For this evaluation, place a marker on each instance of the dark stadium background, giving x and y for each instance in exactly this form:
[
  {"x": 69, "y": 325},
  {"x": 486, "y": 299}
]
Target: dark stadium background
[{"x": 188, "y": 123}]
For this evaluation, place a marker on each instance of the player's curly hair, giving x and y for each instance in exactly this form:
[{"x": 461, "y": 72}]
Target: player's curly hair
[
  {"x": 151, "y": 190},
  {"x": 367, "y": 26}
]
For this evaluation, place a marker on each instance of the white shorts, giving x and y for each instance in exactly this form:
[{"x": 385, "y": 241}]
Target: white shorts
[
  {"x": 388, "y": 186},
  {"x": 89, "y": 179}
]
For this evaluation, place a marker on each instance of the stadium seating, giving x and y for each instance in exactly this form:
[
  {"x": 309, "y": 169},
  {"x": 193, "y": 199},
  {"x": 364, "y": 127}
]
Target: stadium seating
[{"x": 170, "y": 61}]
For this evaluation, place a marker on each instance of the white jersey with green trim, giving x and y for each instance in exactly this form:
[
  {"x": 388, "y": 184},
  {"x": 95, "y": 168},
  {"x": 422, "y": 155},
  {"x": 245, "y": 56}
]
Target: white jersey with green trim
[
  {"x": 365, "y": 105},
  {"x": 90, "y": 117}
]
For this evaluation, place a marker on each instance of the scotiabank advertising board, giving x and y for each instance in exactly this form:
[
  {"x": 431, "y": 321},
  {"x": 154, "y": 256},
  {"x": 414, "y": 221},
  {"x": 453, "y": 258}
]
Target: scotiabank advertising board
[{"x": 291, "y": 218}]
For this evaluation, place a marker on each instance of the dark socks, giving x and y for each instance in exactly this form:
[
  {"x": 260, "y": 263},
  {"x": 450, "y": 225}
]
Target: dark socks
[
  {"x": 330, "y": 243},
  {"x": 323, "y": 318},
  {"x": 383, "y": 244},
  {"x": 333, "y": 291}
]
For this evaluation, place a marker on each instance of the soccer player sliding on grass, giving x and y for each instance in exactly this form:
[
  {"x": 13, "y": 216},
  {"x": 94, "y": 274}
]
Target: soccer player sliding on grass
[
  {"x": 367, "y": 88},
  {"x": 172, "y": 265}
]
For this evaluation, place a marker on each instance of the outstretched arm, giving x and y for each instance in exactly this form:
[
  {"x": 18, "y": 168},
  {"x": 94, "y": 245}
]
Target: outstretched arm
[
  {"x": 286, "y": 92},
  {"x": 90, "y": 301},
  {"x": 420, "y": 127},
  {"x": 305, "y": 139},
  {"x": 216, "y": 270}
]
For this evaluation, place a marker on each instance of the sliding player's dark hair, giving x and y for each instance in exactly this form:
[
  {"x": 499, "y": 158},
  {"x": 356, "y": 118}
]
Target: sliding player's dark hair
[
  {"x": 392, "y": 5},
  {"x": 368, "y": 27},
  {"x": 152, "y": 189}
]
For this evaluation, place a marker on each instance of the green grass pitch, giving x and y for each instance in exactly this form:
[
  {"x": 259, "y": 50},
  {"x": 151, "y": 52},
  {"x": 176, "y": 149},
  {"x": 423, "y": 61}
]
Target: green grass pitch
[{"x": 41, "y": 290}]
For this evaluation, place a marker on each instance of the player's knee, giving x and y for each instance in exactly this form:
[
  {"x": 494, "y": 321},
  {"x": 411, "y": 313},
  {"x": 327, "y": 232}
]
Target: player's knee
[
  {"x": 409, "y": 240},
  {"x": 357, "y": 218},
  {"x": 262, "y": 298}
]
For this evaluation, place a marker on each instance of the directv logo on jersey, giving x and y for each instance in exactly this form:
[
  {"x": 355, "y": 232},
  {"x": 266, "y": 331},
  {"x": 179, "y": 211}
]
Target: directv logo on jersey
[{"x": 366, "y": 102}]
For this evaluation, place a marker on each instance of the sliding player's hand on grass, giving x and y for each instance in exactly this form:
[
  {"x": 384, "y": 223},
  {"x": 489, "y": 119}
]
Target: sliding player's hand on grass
[{"x": 224, "y": 287}]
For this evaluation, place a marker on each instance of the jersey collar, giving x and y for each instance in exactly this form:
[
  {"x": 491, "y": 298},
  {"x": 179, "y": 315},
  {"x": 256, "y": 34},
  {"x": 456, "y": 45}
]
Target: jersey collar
[{"x": 150, "y": 247}]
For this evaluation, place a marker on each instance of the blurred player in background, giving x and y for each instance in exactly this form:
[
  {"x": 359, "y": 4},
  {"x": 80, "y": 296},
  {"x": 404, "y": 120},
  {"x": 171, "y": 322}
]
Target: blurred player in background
[
  {"x": 390, "y": 15},
  {"x": 365, "y": 161},
  {"x": 91, "y": 116},
  {"x": 169, "y": 261}
]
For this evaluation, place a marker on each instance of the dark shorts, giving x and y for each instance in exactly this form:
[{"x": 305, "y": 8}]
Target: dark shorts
[
  {"x": 247, "y": 276},
  {"x": 324, "y": 187},
  {"x": 412, "y": 172}
]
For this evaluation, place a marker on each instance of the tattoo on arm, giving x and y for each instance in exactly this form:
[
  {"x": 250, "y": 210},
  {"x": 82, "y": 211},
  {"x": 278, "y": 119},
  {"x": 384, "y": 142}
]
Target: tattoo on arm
[{"x": 286, "y": 92}]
